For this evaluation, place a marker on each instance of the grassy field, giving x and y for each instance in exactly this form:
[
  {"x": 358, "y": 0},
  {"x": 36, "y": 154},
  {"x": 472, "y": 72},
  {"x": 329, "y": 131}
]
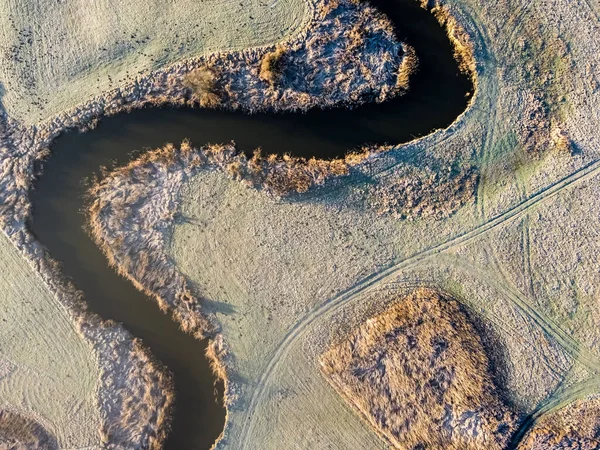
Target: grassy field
[
  {"x": 50, "y": 373},
  {"x": 58, "y": 55}
]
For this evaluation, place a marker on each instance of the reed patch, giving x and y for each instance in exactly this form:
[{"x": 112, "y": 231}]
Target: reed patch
[{"x": 419, "y": 374}]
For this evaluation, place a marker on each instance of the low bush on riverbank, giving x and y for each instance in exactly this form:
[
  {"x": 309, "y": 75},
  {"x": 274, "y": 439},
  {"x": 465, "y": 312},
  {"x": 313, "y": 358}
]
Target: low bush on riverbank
[
  {"x": 419, "y": 374},
  {"x": 203, "y": 82},
  {"x": 271, "y": 66}
]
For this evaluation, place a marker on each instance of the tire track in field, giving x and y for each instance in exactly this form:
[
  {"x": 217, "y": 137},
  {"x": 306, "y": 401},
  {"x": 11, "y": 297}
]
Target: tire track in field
[
  {"x": 515, "y": 25},
  {"x": 547, "y": 325},
  {"x": 582, "y": 174},
  {"x": 594, "y": 8}
]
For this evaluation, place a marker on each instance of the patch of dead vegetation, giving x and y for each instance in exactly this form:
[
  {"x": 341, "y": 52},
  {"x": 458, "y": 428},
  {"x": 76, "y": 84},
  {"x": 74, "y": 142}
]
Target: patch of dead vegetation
[
  {"x": 542, "y": 61},
  {"x": 416, "y": 192},
  {"x": 202, "y": 82},
  {"x": 419, "y": 374},
  {"x": 149, "y": 403},
  {"x": 18, "y": 432},
  {"x": 573, "y": 427}
]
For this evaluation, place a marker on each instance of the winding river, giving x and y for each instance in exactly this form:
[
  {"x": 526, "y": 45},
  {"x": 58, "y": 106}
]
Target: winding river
[{"x": 438, "y": 94}]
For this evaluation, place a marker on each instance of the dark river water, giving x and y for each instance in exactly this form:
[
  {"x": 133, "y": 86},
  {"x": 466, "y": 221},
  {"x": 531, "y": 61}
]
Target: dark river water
[{"x": 438, "y": 94}]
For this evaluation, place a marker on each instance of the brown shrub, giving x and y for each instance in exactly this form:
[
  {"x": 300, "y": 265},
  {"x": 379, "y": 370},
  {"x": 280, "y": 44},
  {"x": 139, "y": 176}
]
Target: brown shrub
[
  {"x": 271, "y": 66},
  {"x": 22, "y": 433},
  {"x": 203, "y": 82},
  {"x": 419, "y": 374}
]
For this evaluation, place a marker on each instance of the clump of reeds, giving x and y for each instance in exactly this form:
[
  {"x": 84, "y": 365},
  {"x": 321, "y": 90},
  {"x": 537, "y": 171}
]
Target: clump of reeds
[
  {"x": 283, "y": 175},
  {"x": 272, "y": 65},
  {"x": 18, "y": 432},
  {"x": 419, "y": 374},
  {"x": 203, "y": 82}
]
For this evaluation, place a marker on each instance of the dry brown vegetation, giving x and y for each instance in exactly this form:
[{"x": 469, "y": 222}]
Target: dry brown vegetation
[
  {"x": 574, "y": 427},
  {"x": 203, "y": 82},
  {"x": 419, "y": 374},
  {"x": 425, "y": 192},
  {"x": 541, "y": 60},
  {"x": 22, "y": 433},
  {"x": 409, "y": 66},
  {"x": 463, "y": 46},
  {"x": 272, "y": 65},
  {"x": 149, "y": 404}
]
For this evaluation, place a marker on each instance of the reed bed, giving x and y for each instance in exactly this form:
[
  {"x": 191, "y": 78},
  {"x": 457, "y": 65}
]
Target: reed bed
[{"x": 419, "y": 374}]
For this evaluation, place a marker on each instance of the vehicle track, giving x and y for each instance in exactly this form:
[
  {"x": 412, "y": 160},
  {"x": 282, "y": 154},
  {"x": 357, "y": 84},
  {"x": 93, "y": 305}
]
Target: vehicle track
[
  {"x": 582, "y": 174},
  {"x": 551, "y": 328},
  {"x": 486, "y": 152}
]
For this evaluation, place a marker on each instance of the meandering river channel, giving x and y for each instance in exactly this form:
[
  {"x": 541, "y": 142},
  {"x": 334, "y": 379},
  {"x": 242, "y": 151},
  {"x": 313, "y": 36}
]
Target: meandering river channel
[{"x": 438, "y": 94}]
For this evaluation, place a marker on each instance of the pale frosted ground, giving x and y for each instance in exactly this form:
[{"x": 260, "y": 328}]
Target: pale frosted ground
[
  {"x": 52, "y": 373},
  {"x": 57, "y": 55},
  {"x": 523, "y": 256}
]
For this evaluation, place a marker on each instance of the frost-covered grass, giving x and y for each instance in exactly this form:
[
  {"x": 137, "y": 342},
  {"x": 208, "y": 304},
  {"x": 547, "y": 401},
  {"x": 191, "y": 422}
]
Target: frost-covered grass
[
  {"x": 52, "y": 373},
  {"x": 55, "y": 55}
]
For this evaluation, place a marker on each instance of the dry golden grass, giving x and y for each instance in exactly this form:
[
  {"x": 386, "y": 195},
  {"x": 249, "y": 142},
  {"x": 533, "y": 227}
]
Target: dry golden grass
[
  {"x": 423, "y": 192},
  {"x": 271, "y": 66},
  {"x": 21, "y": 433},
  {"x": 203, "y": 82},
  {"x": 419, "y": 374}
]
